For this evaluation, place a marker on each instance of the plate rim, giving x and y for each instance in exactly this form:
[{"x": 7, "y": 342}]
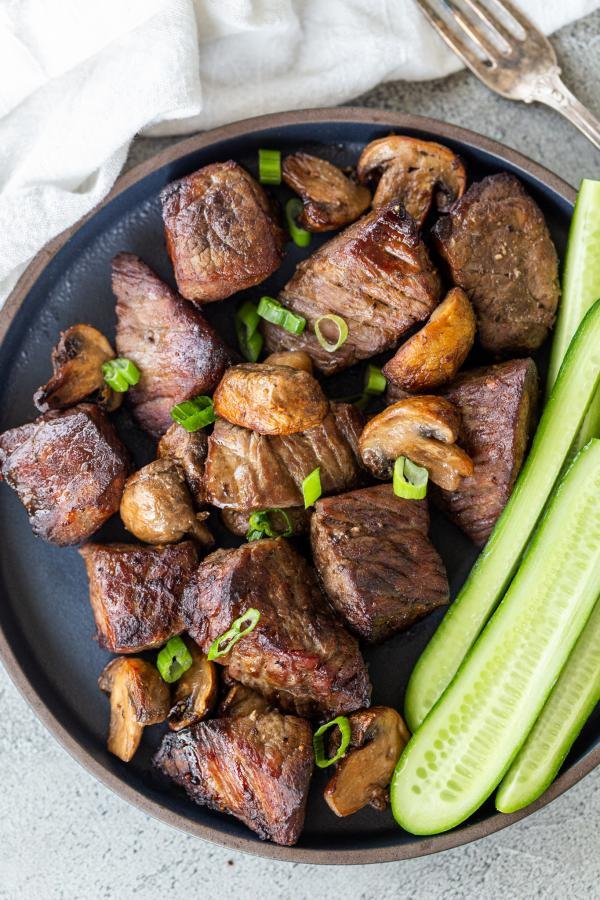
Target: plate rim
[{"x": 339, "y": 856}]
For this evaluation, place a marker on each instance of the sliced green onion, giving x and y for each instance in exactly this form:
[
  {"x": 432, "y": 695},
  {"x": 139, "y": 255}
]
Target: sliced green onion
[
  {"x": 272, "y": 310},
  {"x": 311, "y": 487},
  {"x": 249, "y": 339},
  {"x": 242, "y": 626},
  {"x": 375, "y": 381},
  {"x": 410, "y": 480},
  {"x": 120, "y": 374},
  {"x": 329, "y": 346},
  {"x": 173, "y": 660},
  {"x": 194, "y": 414},
  {"x": 260, "y": 524},
  {"x": 343, "y": 723},
  {"x": 248, "y": 315},
  {"x": 269, "y": 166},
  {"x": 300, "y": 236}
]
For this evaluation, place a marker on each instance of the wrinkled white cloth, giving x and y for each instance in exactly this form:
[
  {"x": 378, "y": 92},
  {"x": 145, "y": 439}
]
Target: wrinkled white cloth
[{"x": 78, "y": 79}]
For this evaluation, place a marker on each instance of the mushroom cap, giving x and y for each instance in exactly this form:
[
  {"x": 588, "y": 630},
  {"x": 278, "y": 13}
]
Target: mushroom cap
[
  {"x": 296, "y": 359},
  {"x": 330, "y": 199},
  {"x": 195, "y": 692}
]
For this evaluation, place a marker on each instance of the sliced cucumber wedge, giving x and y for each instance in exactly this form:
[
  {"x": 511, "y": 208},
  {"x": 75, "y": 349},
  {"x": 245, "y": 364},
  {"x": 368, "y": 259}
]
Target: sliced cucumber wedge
[
  {"x": 468, "y": 741},
  {"x": 567, "y": 709},
  {"x": 561, "y": 420}
]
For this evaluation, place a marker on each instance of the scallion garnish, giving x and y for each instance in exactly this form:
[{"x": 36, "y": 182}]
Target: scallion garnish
[
  {"x": 272, "y": 310},
  {"x": 375, "y": 381},
  {"x": 410, "y": 480},
  {"x": 300, "y": 236},
  {"x": 194, "y": 414},
  {"x": 311, "y": 487},
  {"x": 120, "y": 374},
  {"x": 242, "y": 626},
  {"x": 343, "y": 723},
  {"x": 173, "y": 660},
  {"x": 260, "y": 524},
  {"x": 249, "y": 338},
  {"x": 331, "y": 346},
  {"x": 269, "y": 166}
]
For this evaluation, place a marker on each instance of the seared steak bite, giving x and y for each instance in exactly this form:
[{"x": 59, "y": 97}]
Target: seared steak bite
[
  {"x": 135, "y": 592},
  {"x": 221, "y": 232},
  {"x": 376, "y": 275},
  {"x": 497, "y": 406},
  {"x": 68, "y": 468},
  {"x": 188, "y": 450},
  {"x": 255, "y": 767},
  {"x": 330, "y": 198},
  {"x": 375, "y": 560},
  {"x": 499, "y": 250},
  {"x": 247, "y": 471},
  {"x": 298, "y": 655},
  {"x": 177, "y": 352}
]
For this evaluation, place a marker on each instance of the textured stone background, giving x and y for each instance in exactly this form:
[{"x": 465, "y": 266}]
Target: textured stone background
[{"x": 62, "y": 835}]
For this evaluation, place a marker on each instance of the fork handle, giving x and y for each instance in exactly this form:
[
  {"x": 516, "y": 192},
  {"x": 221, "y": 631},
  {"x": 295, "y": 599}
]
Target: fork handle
[{"x": 550, "y": 89}]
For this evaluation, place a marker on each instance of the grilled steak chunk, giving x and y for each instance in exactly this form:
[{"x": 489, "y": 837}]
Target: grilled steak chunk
[
  {"x": 497, "y": 406},
  {"x": 188, "y": 450},
  {"x": 330, "y": 199},
  {"x": 500, "y": 252},
  {"x": 255, "y": 767},
  {"x": 221, "y": 233},
  {"x": 297, "y": 655},
  {"x": 177, "y": 352},
  {"x": 375, "y": 560},
  {"x": 69, "y": 469},
  {"x": 376, "y": 275},
  {"x": 135, "y": 592},
  {"x": 247, "y": 471}
]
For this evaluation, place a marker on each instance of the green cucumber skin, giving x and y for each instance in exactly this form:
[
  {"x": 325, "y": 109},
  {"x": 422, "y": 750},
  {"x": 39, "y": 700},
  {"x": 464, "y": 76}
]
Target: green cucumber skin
[
  {"x": 469, "y": 740},
  {"x": 567, "y": 709},
  {"x": 491, "y": 574}
]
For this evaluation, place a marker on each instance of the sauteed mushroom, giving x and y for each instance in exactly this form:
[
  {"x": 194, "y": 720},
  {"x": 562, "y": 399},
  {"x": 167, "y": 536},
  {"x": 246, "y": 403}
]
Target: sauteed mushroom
[
  {"x": 413, "y": 171},
  {"x": 138, "y": 697},
  {"x": 362, "y": 776},
  {"x": 77, "y": 366},
  {"x": 188, "y": 450},
  {"x": 296, "y": 359},
  {"x": 243, "y": 701},
  {"x": 157, "y": 508},
  {"x": 433, "y": 356},
  {"x": 424, "y": 429},
  {"x": 330, "y": 199},
  {"x": 195, "y": 692}
]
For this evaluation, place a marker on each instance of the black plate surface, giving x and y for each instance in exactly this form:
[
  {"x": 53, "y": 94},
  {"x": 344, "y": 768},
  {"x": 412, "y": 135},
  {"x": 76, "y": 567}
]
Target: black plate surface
[{"x": 45, "y": 616}]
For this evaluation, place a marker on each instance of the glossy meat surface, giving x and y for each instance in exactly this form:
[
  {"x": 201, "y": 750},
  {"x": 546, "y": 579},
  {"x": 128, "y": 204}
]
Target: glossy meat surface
[
  {"x": 331, "y": 199},
  {"x": 136, "y": 591},
  {"x": 255, "y": 767},
  {"x": 68, "y": 468},
  {"x": 177, "y": 352},
  {"x": 221, "y": 232},
  {"x": 298, "y": 655},
  {"x": 373, "y": 555},
  {"x": 376, "y": 275}
]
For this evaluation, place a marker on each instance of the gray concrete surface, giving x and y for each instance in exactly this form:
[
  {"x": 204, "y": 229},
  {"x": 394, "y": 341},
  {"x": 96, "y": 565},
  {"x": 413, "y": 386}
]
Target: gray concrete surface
[{"x": 62, "y": 835}]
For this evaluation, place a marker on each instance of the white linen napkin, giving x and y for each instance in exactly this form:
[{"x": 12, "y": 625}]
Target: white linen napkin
[{"x": 78, "y": 79}]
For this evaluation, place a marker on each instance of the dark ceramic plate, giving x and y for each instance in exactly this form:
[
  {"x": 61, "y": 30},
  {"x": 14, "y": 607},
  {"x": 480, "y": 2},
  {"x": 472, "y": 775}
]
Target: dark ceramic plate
[{"x": 45, "y": 619}]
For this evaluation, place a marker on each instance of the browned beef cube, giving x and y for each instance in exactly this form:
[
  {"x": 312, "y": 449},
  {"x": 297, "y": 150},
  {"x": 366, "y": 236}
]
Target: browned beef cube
[
  {"x": 221, "y": 233},
  {"x": 177, "y": 352},
  {"x": 375, "y": 560},
  {"x": 376, "y": 275},
  {"x": 69, "y": 469},
  {"x": 497, "y": 406},
  {"x": 257, "y": 768},
  {"x": 500, "y": 252},
  {"x": 136, "y": 591},
  {"x": 297, "y": 655}
]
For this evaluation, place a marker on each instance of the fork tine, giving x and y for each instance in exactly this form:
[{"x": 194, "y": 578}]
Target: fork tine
[
  {"x": 492, "y": 22},
  {"x": 520, "y": 18},
  {"x": 461, "y": 49},
  {"x": 475, "y": 33}
]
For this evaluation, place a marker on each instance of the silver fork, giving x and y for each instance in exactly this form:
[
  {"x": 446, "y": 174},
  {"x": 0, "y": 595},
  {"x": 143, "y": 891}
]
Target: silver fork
[{"x": 520, "y": 66}]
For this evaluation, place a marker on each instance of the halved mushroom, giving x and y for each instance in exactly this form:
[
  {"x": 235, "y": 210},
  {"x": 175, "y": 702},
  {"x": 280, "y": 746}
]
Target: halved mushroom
[
  {"x": 77, "y": 365},
  {"x": 270, "y": 399},
  {"x": 433, "y": 356},
  {"x": 330, "y": 198},
  {"x": 413, "y": 171},
  {"x": 242, "y": 701},
  {"x": 296, "y": 359},
  {"x": 424, "y": 429},
  {"x": 378, "y": 737},
  {"x": 156, "y": 506},
  {"x": 188, "y": 450},
  {"x": 196, "y": 690},
  {"x": 138, "y": 697}
]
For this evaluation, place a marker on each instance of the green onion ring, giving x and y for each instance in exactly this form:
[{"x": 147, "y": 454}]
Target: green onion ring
[
  {"x": 233, "y": 634},
  {"x": 173, "y": 660},
  {"x": 343, "y": 723},
  {"x": 410, "y": 480},
  {"x": 375, "y": 381},
  {"x": 259, "y": 524},
  {"x": 311, "y": 487},
  {"x": 120, "y": 374},
  {"x": 342, "y": 335},
  {"x": 194, "y": 414},
  {"x": 272, "y": 311},
  {"x": 300, "y": 236},
  {"x": 269, "y": 166}
]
